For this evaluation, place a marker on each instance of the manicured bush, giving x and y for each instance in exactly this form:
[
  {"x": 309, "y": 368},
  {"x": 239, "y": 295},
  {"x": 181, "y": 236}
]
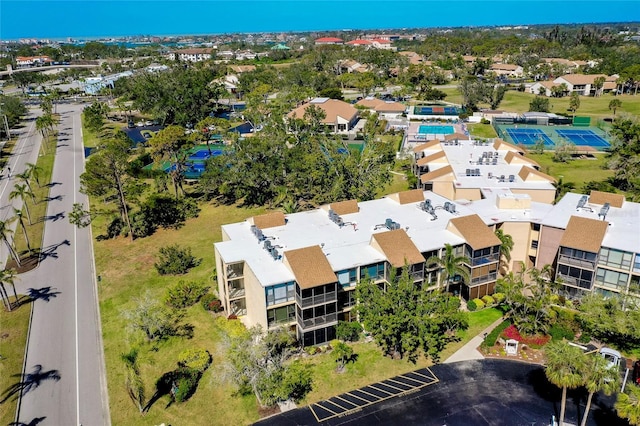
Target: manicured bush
[
  {"x": 559, "y": 332},
  {"x": 186, "y": 383},
  {"x": 498, "y": 297},
  {"x": 471, "y": 305},
  {"x": 196, "y": 359},
  {"x": 479, "y": 303},
  {"x": 210, "y": 302},
  {"x": 185, "y": 294},
  {"x": 348, "y": 331},
  {"x": 492, "y": 337},
  {"x": 535, "y": 342},
  {"x": 488, "y": 300},
  {"x": 175, "y": 260}
]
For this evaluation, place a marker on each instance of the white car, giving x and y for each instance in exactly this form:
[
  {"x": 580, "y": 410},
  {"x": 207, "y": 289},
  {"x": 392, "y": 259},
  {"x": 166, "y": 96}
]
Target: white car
[{"x": 612, "y": 356}]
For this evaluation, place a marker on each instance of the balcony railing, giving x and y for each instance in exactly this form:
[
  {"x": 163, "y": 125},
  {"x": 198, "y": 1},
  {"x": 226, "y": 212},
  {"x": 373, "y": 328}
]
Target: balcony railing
[
  {"x": 236, "y": 292},
  {"x": 316, "y": 300},
  {"x": 238, "y": 310},
  {"x": 484, "y": 279},
  {"x": 575, "y": 282},
  {"x": 317, "y": 321},
  {"x": 476, "y": 261},
  {"x": 581, "y": 263},
  {"x": 234, "y": 271}
]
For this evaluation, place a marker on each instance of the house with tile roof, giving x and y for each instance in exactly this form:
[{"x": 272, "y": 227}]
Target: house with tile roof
[
  {"x": 386, "y": 109},
  {"x": 323, "y": 41},
  {"x": 340, "y": 116},
  {"x": 583, "y": 83}
]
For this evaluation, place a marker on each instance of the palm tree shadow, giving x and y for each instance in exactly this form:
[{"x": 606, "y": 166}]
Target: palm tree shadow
[
  {"x": 44, "y": 293},
  {"x": 36, "y": 421},
  {"x": 28, "y": 382}
]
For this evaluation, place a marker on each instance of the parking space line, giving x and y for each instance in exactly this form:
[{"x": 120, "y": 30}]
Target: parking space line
[
  {"x": 348, "y": 402},
  {"x": 356, "y": 396},
  {"x": 392, "y": 387},
  {"x": 322, "y": 404},
  {"x": 410, "y": 378},
  {"x": 400, "y": 383},
  {"x": 325, "y": 408}
]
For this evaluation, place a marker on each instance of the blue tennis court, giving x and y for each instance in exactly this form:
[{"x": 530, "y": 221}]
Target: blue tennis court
[
  {"x": 583, "y": 138},
  {"x": 435, "y": 130},
  {"x": 529, "y": 136}
]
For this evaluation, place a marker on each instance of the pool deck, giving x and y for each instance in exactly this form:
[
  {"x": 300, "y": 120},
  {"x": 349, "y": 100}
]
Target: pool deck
[{"x": 413, "y": 137}]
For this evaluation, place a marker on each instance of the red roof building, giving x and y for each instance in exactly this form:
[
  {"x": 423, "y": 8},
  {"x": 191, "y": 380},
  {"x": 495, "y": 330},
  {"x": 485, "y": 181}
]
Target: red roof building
[{"x": 329, "y": 40}]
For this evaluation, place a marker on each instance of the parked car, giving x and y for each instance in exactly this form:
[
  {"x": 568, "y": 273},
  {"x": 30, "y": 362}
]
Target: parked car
[{"x": 612, "y": 356}]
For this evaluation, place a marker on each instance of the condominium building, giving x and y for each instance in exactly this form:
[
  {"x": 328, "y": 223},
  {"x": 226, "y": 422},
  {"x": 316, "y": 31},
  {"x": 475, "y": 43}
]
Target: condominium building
[
  {"x": 461, "y": 168},
  {"x": 300, "y": 270}
]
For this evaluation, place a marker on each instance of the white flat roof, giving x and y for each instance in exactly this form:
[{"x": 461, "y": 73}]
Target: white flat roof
[
  {"x": 345, "y": 247},
  {"x": 623, "y": 232},
  {"x": 490, "y": 214},
  {"x": 465, "y": 156}
]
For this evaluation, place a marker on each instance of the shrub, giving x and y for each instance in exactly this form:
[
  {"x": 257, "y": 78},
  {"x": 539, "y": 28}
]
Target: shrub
[
  {"x": 186, "y": 383},
  {"x": 185, "y": 294},
  {"x": 484, "y": 121},
  {"x": 488, "y": 300},
  {"x": 584, "y": 338},
  {"x": 311, "y": 350},
  {"x": 498, "y": 297},
  {"x": 471, "y": 305},
  {"x": 492, "y": 337},
  {"x": 558, "y": 332},
  {"x": 196, "y": 359},
  {"x": 115, "y": 227},
  {"x": 535, "y": 342},
  {"x": 175, "y": 260},
  {"x": 479, "y": 303},
  {"x": 348, "y": 331},
  {"x": 210, "y": 302}
]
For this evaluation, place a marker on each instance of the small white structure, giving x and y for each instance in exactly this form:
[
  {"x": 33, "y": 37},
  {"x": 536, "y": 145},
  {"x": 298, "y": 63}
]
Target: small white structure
[{"x": 511, "y": 347}]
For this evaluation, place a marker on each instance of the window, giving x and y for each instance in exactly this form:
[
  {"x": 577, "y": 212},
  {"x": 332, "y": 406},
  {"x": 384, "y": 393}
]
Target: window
[
  {"x": 280, "y": 293},
  {"x": 636, "y": 263},
  {"x": 347, "y": 278},
  {"x": 374, "y": 272},
  {"x": 536, "y": 226},
  {"x": 613, "y": 279},
  {"x": 346, "y": 299},
  {"x": 575, "y": 276},
  {"x": 615, "y": 258},
  {"x": 317, "y": 337},
  {"x": 281, "y": 315},
  {"x": 534, "y": 244}
]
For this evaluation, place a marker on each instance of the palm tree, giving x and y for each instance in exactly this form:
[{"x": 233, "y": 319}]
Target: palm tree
[
  {"x": 564, "y": 368},
  {"x": 506, "y": 245},
  {"x": 628, "y": 404},
  {"x": 562, "y": 188},
  {"x": 25, "y": 177},
  {"x": 5, "y": 232},
  {"x": 599, "y": 377},
  {"x": 18, "y": 214},
  {"x": 34, "y": 171},
  {"x": 451, "y": 265},
  {"x": 133, "y": 381},
  {"x": 7, "y": 276},
  {"x": 614, "y": 104},
  {"x": 22, "y": 191}
]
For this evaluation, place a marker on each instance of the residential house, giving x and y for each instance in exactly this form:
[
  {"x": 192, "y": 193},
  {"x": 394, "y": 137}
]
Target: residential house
[
  {"x": 323, "y": 41},
  {"x": 583, "y": 83},
  {"x": 413, "y": 57},
  {"x": 508, "y": 70},
  {"x": 385, "y": 109},
  {"x": 32, "y": 61},
  {"x": 340, "y": 116},
  {"x": 191, "y": 55}
]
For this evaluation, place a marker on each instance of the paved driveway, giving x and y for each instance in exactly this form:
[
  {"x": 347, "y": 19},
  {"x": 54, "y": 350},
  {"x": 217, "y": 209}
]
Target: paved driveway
[{"x": 469, "y": 393}]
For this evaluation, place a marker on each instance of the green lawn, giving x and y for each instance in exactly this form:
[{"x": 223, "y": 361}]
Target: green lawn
[
  {"x": 515, "y": 101},
  {"x": 577, "y": 171},
  {"x": 13, "y": 338},
  {"x": 482, "y": 130}
]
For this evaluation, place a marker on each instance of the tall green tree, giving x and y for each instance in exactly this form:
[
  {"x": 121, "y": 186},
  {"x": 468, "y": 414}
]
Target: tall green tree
[
  {"x": 574, "y": 102},
  {"x": 598, "y": 377},
  {"x": 171, "y": 144},
  {"x": 35, "y": 171},
  {"x": 18, "y": 215},
  {"x": 598, "y": 84},
  {"x": 564, "y": 368},
  {"x": 539, "y": 104},
  {"x": 5, "y": 235},
  {"x": 22, "y": 192},
  {"x": 614, "y": 104},
  {"x": 7, "y": 277},
  {"x": 108, "y": 174},
  {"x": 628, "y": 404},
  {"x": 451, "y": 266},
  {"x": 405, "y": 320}
]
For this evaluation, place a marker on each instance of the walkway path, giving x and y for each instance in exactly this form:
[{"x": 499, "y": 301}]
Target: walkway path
[{"x": 469, "y": 352}]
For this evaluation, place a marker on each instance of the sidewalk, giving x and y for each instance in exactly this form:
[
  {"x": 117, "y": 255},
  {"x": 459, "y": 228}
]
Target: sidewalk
[{"x": 469, "y": 351}]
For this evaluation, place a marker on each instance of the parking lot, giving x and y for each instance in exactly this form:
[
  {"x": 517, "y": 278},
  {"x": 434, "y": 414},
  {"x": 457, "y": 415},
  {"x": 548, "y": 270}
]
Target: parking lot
[{"x": 354, "y": 401}]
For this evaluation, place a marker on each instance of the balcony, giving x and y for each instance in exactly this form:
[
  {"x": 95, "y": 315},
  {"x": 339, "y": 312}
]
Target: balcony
[
  {"x": 580, "y": 263},
  {"x": 317, "y": 321},
  {"x": 316, "y": 300},
  {"x": 234, "y": 271},
  {"x": 477, "y": 261},
  {"x": 484, "y": 279},
  {"x": 236, "y": 292},
  {"x": 238, "y": 308},
  {"x": 575, "y": 282}
]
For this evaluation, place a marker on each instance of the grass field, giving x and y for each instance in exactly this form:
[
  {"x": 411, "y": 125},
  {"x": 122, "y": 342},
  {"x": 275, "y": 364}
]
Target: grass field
[
  {"x": 13, "y": 338},
  {"x": 578, "y": 171},
  {"x": 482, "y": 130},
  {"x": 38, "y": 210},
  {"x": 515, "y": 101}
]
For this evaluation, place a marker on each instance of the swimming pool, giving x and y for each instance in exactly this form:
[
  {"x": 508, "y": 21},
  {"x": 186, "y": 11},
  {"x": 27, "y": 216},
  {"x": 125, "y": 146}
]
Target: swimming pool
[{"x": 435, "y": 130}]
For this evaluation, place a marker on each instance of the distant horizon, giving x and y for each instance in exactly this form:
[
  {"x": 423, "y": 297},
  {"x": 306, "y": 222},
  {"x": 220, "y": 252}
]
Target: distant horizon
[{"x": 62, "y": 19}]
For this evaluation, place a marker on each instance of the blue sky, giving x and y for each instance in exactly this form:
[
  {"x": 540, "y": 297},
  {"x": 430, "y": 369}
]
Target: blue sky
[{"x": 78, "y": 18}]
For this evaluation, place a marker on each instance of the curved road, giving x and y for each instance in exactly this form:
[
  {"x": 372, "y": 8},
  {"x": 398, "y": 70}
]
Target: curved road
[{"x": 64, "y": 374}]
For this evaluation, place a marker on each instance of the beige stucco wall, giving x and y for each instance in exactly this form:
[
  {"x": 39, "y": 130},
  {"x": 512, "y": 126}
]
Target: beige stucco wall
[
  {"x": 548, "y": 245},
  {"x": 546, "y": 196},
  {"x": 520, "y": 232},
  {"x": 255, "y": 299},
  {"x": 470, "y": 194}
]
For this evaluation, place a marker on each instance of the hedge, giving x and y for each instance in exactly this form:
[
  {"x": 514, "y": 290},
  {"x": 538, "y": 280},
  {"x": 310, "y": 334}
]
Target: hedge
[
  {"x": 488, "y": 300},
  {"x": 492, "y": 337}
]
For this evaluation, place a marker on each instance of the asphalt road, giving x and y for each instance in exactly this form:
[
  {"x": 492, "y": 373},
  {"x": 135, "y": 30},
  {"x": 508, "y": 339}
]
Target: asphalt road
[
  {"x": 64, "y": 378},
  {"x": 471, "y": 393}
]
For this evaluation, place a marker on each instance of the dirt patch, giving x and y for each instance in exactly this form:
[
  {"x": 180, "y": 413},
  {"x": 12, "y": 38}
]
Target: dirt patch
[{"x": 525, "y": 353}]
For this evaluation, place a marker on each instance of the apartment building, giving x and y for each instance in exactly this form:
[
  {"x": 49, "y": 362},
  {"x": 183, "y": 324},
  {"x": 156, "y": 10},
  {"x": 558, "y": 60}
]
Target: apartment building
[{"x": 460, "y": 168}]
